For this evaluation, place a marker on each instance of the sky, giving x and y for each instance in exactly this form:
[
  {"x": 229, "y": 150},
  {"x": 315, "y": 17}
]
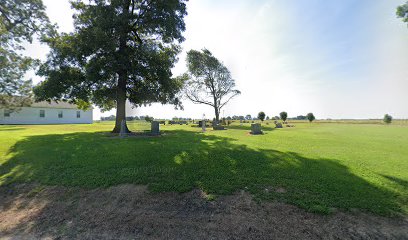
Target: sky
[{"x": 338, "y": 59}]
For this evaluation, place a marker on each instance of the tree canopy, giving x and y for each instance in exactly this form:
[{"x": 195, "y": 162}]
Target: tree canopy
[
  {"x": 120, "y": 50},
  {"x": 261, "y": 116},
  {"x": 387, "y": 118},
  {"x": 208, "y": 81},
  {"x": 402, "y": 12},
  {"x": 20, "y": 22},
  {"x": 310, "y": 117},
  {"x": 283, "y": 116}
]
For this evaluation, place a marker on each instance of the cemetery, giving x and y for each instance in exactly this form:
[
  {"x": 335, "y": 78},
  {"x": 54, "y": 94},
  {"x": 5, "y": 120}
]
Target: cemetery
[
  {"x": 286, "y": 153},
  {"x": 134, "y": 119},
  {"x": 320, "y": 168}
]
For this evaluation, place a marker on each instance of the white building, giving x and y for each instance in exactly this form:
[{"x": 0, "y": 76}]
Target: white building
[{"x": 46, "y": 113}]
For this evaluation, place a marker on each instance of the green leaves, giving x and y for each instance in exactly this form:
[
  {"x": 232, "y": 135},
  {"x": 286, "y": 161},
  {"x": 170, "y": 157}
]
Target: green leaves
[
  {"x": 261, "y": 116},
  {"x": 310, "y": 117},
  {"x": 20, "y": 21},
  {"x": 137, "y": 39},
  {"x": 402, "y": 12},
  {"x": 209, "y": 81},
  {"x": 387, "y": 118},
  {"x": 283, "y": 116}
]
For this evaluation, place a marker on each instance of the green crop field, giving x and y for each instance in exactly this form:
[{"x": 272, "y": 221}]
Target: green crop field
[{"x": 320, "y": 166}]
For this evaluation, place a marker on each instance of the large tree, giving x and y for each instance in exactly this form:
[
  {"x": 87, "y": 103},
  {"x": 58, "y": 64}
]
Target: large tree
[
  {"x": 310, "y": 117},
  {"x": 261, "y": 116},
  {"x": 283, "y": 116},
  {"x": 120, "y": 50},
  {"x": 20, "y": 22},
  {"x": 209, "y": 81},
  {"x": 402, "y": 12}
]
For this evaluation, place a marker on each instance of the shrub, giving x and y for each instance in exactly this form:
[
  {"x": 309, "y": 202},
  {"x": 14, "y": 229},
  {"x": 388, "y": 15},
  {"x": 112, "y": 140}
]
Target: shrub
[
  {"x": 310, "y": 117},
  {"x": 387, "y": 118},
  {"x": 261, "y": 116},
  {"x": 283, "y": 116},
  {"x": 148, "y": 119}
]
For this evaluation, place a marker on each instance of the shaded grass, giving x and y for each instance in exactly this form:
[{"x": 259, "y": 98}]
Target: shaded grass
[{"x": 319, "y": 166}]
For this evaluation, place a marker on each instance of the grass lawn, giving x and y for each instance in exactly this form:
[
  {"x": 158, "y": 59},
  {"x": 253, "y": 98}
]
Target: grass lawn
[{"x": 319, "y": 166}]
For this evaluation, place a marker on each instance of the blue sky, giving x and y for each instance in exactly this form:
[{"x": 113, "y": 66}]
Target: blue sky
[{"x": 338, "y": 59}]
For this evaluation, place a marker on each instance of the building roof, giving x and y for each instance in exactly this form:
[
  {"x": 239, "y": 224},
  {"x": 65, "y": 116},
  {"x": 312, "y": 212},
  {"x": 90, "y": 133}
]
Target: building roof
[{"x": 53, "y": 104}]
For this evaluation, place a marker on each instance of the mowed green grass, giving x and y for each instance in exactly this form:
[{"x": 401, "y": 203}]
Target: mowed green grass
[{"x": 320, "y": 167}]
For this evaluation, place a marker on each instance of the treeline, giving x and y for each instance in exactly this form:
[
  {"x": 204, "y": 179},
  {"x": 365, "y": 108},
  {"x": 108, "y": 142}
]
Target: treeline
[
  {"x": 247, "y": 117},
  {"x": 146, "y": 118}
]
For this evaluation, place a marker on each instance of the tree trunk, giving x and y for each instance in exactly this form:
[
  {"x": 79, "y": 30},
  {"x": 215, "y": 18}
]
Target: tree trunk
[
  {"x": 121, "y": 104},
  {"x": 217, "y": 111},
  {"x": 217, "y": 115}
]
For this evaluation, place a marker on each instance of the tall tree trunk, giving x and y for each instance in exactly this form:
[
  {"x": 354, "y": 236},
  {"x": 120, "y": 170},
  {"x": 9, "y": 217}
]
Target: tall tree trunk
[
  {"x": 217, "y": 111},
  {"x": 217, "y": 115},
  {"x": 122, "y": 74},
  {"x": 121, "y": 104}
]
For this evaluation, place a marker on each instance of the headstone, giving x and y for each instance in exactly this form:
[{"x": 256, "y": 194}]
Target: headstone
[
  {"x": 278, "y": 125},
  {"x": 240, "y": 122},
  {"x": 203, "y": 125},
  {"x": 218, "y": 127},
  {"x": 155, "y": 128},
  {"x": 123, "y": 131},
  {"x": 256, "y": 128}
]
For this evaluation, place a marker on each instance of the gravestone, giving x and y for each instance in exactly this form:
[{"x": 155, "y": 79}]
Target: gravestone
[
  {"x": 218, "y": 127},
  {"x": 203, "y": 125},
  {"x": 278, "y": 125},
  {"x": 256, "y": 128},
  {"x": 240, "y": 122},
  {"x": 155, "y": 128}
]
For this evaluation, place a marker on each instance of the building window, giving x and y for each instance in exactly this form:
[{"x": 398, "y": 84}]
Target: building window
[
  {"x": 78, "y": 114},
  {"x": 42, "y": 113},
  {"x": 60, "y": 115},
  {"x": 7, "y": 113}
]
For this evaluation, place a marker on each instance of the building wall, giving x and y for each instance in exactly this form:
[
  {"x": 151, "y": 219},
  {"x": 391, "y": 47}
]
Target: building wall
[{"x": 31, "y": 115}]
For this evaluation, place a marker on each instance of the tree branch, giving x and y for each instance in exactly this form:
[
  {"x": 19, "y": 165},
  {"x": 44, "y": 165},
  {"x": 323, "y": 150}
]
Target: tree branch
[
  {"x": 195, "y": 99},
  {"x": 235, "y": 94}
]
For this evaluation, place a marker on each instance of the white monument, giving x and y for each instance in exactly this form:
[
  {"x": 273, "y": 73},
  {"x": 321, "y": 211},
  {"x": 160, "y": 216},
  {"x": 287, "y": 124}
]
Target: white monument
[{"x": 203, "y": 123}]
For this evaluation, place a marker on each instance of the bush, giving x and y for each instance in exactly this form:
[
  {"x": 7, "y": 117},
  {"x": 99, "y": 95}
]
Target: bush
[
  {"x": 310, "y": 117},
  {"x": 387, "y": 118},
  {"x": 283, "y": 116},
  {"x": 148, "y": 119},
  {"x": 261, "y": 116}
]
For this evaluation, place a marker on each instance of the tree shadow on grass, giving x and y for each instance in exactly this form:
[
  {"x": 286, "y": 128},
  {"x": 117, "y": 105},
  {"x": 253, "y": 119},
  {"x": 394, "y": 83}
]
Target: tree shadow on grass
[
  {"x": 182, "y": 160},
  {"x": 401, "y": 182},
  {"x": 6, "y": 129}
]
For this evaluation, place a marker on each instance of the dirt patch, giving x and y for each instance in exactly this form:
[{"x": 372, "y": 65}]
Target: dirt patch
[{"x": 128, "y": 211}]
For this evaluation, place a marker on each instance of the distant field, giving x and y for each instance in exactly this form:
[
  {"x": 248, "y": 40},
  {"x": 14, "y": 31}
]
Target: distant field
[{"x": 319, "y": 166}]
